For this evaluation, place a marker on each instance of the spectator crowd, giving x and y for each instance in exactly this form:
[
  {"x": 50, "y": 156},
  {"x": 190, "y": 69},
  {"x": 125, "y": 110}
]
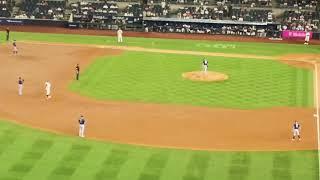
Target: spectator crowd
[
  {"x": 295, "y": 14},
  {"x": 5, "y": 8}
]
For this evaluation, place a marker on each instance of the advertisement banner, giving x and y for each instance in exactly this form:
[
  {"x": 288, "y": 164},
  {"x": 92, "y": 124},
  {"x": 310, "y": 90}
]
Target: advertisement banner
[
  {"x": 73, "y": 25},
  {"x": 11, "y": 21},
  {"x": 290, "y": 34},
  {"x": 33, "y": 22}
]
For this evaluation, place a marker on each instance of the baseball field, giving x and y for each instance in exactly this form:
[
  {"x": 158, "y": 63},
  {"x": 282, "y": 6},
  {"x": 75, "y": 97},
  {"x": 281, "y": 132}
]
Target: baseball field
[{"x": 145, "y": 121}]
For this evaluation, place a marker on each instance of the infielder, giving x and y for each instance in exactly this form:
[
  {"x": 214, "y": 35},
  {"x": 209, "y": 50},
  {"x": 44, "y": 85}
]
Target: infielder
[
  {"x": 119, "y": 35},
  {"x": 296, "y": 130},
  {"x": 77, "y": 72},
  {"x": 20, "y": 86},
  {"x": 15, "y": 49},
  {"x": 48, "y": 89},
  {"x": 205, "y": 64},
  {"x": 82, "y": 122},
  {"x": 307, "y": 38}
]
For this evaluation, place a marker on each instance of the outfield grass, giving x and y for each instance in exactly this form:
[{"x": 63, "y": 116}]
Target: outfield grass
[
  {"x": 269, "y": 49},
  {"x": 155, "y": 77},
  {"x": 31, "y": 154}
]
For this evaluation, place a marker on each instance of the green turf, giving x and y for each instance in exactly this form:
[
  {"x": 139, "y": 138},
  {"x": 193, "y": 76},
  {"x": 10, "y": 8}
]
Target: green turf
[
  {"x": 155, "y": 77},
  {"x": 194, "y": 45},
  {"x": 30, "y": 154}
]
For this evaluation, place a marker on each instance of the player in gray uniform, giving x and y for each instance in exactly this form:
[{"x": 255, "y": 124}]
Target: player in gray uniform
[
  {"x": 82, "y": 122},
  {"x": 20, "y": 86},
  {"x": 296, "y": 128}
]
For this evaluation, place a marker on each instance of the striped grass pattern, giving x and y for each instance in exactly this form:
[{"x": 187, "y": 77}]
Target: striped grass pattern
[
  {"x": 30, "y": 154},
  {"x": 156, "y": 78}
]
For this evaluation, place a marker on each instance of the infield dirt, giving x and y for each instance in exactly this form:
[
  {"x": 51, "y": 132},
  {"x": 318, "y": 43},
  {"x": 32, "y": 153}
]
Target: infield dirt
[
  {"x": 209, "y": 76},
  {"x": 135, "y": 123}
]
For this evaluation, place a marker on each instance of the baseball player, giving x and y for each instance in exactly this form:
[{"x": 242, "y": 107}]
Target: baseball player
[
  {"x": 20, "y": 86},
  {"x": 296, "y": 130},
  {"x": 8, "y": 34},
  {"x": 119, "y": 35},
  {"x": 77, "y": 72},
  {"x": 307, "y": 38},
  {"x": 82, "y": 122},
  {"x": 205, "y": 64},
  {"x": 15, "y": 49},
  {"x": 48, "y": 89}
]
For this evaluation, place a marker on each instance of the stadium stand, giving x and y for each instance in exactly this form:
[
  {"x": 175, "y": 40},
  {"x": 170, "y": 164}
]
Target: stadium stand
[
  {"x": 298, "y": 3},
  {"x": 301, "y": 20},
  {"x": 5, "y": 8},
  {"x": 156, "y": 10},
  {"x": 230, "y": 17},
  {"x": 224, "y": 13},
  {"x": 35, "y": 9},
  {"x": 93, "y": 11}
]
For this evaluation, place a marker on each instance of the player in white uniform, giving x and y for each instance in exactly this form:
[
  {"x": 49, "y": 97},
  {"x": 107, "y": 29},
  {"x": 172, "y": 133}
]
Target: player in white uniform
[
  {"x": 48, "y": 89},
  {"x": 307, "y": 38},
  {"x": 15, "y": 48},
  {"x": 205, "y": 64},
  {"x": 119, "y": 35},
  {"x": 296, "y": 128}
]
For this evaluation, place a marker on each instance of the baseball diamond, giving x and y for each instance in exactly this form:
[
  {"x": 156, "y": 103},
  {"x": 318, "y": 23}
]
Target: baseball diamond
[{"x": 156, "y": 106}]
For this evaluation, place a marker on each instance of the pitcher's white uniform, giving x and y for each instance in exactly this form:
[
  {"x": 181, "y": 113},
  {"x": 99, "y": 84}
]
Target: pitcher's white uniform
[
  {"x": 307, "y": 38},
  {"x": 48, "y": 89},
  {"x": 119, "y": 35},
  {"x": 205, "y": 65}
]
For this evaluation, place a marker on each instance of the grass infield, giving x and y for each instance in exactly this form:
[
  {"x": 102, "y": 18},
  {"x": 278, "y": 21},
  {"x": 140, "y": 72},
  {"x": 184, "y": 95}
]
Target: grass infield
[
  {"x": 156, "y": 78},
  {"x": 31, "y": 154}
]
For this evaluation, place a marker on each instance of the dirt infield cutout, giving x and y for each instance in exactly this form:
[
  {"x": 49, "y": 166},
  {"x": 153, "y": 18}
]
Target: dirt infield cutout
[{"x": 209, "y": 76}]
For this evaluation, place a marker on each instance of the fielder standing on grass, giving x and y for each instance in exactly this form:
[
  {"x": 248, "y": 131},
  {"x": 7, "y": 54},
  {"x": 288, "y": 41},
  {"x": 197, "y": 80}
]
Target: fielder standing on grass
[
  {"x": 77, "y": 72},
  {"x": 20, "y": 86},
  {"x": 82, "y": 122},
  {"x": 8, "y": 34},
  {"x": 296, "y": 131},
  {"x": 119, "y": 35},
  {"x": 307, "y": 38}
]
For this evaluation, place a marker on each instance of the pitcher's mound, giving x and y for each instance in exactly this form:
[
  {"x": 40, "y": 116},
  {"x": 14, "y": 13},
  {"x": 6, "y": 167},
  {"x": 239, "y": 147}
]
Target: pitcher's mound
[{"x": 210, "y": 76}]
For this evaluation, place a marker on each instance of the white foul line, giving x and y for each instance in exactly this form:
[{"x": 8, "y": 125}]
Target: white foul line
[{"x": 317, "y": 115}]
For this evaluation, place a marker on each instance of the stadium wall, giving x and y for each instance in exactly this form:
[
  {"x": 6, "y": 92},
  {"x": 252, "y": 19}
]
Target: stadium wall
[{"x": 74, "y": 25}]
